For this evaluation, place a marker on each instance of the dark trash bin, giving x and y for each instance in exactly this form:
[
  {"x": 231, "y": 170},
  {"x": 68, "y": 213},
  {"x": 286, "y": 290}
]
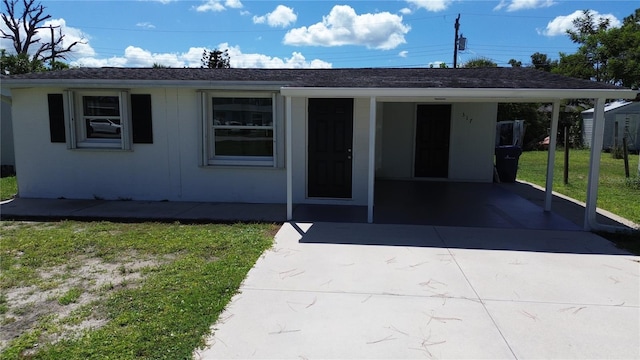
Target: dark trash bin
[{"x": 507, "y": 162}]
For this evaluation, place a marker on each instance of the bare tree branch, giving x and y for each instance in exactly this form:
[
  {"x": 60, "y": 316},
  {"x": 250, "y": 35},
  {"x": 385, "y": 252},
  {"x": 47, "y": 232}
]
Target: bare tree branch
[{"x": 23, "y": 28}]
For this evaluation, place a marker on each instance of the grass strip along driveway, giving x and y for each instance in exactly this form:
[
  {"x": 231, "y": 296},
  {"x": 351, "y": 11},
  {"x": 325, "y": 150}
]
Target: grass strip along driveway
[
  {"x": 100, "y": 290},
  {"x": 616, "y": 193}
]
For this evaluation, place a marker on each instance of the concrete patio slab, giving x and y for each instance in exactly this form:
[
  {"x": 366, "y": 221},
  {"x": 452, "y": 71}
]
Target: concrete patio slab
[
  {"x": 335, "y": 290},
  {"x": 549, "y": 277},
  {"x": 235, "y": 212},
  {"x": 568, "y": 331},
  {"x": 46, "y": 207},
  {"x": 311, "y": 325},
  {"x": 574, "y": 242},
  {"x": 147, "y": 210},
  {"x": 425, "y": 270}
]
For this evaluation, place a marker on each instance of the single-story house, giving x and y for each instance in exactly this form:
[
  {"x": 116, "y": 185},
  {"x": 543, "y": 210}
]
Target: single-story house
[
  {"x": 294, "y": 136},
  {"x": 621, "y": 115}
]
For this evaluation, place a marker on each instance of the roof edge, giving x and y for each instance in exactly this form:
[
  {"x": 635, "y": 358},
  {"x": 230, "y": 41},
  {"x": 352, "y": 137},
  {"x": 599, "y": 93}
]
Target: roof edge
[{"x": 456, "y": 93}]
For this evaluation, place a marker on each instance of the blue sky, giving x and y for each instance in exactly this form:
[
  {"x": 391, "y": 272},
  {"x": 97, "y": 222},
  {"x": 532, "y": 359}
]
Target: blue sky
[{"x": 339, "y": 34}]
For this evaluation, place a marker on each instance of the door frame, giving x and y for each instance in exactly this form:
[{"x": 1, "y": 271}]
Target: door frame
[{"x": 307, "y": 162}]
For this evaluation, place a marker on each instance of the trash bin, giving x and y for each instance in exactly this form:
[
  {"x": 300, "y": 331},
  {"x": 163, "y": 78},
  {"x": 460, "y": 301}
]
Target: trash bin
[{"x": 507, "y": 162}]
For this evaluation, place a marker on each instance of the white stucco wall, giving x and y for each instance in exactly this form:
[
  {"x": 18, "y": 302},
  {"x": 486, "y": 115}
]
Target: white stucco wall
[
  {"x": 398, "y": 139},
  {"x": 471, "y": 152},
  {"x": 472, "y": 147},
  {"x": 168, "y": 169},
  {"x": 6, "y": 130}
]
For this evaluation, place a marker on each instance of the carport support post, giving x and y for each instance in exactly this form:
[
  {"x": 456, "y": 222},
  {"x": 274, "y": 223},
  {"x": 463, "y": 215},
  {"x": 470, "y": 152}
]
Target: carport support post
[
  {"x": 594, "y": 165},
  {"x": 288, "y": 154},
  {"x": 551, "y": 155},
  {"x": 372, "y": 159}
]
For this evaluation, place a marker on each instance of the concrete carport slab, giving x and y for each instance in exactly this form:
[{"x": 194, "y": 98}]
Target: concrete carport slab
[{"x": 336, "y": 290}]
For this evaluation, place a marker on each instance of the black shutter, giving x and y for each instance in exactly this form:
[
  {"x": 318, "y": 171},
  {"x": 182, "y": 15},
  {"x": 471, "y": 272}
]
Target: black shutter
[
  {"x": 141, "y": 119},
  {"x": 56, "y": 118}
]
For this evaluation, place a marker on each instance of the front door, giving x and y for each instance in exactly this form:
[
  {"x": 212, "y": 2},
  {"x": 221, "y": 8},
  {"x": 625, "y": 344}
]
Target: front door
[
  {"x": 330, "y": 148},
  {"x": 433, "y": 123}
]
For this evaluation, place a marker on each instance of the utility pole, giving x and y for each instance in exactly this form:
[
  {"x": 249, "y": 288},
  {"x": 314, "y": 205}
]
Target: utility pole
[
  {"x": 455, "y": 43},
  {"x": 53, "y": 48}
]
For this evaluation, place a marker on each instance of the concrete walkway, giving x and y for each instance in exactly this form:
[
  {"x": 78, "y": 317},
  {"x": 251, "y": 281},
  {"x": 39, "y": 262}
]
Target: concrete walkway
[{"x": 336, "y": 290}]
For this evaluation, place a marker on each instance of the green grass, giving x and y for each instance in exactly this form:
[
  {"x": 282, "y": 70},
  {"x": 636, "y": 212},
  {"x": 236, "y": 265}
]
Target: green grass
[
  {"x": 616, "y": 193},
  {"x": 166, "y": 313},
  {"x": 8, "y": 187},
  {"x": 70, "y": 296}
]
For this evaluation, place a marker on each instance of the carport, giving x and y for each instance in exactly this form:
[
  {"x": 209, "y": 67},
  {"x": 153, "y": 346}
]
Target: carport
[
  {"x": 440, "y": 203},
  {"x": 447, "y": 201}
]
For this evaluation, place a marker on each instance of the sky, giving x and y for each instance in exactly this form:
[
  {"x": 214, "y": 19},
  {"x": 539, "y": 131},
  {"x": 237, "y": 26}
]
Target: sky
[{"x": 302, "y": 34}]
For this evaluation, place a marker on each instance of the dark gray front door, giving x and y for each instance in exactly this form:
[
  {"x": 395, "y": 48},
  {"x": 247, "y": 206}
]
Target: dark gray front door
[
  {"x": 330, "y": 148},
  {"x": 433, "y": 124}
]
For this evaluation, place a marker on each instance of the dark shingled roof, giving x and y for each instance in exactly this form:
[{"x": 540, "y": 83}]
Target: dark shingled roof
[{"x": 496, "y": 78}]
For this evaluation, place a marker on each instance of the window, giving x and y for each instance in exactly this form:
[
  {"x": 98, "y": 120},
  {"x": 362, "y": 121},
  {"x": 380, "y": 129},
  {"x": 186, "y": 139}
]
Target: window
[
  {"x": 241, "y": 130},
  {"x": 97, "y": 119},
  {"x": 101, "y": 118}
]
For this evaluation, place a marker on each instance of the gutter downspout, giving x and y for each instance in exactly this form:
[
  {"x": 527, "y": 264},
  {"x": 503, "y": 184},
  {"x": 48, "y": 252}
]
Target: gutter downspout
[
  {"x": 551, "y": 156},
  {"x": 372, "y": 160},
  {"x": 288, "y": 155}
]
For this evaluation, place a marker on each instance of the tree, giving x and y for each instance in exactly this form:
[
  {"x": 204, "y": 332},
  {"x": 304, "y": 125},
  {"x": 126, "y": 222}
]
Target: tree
[
  {"x": 542, "y": 62},
  {"x": 23, "y": 28},
  {"x": 515, "y": 63},
  {"x": 605, "y": 54},
  {"x": 621, "y": 46},
  {"x": 216, "y": 59},
  {"x": 479, "y": 62},
  {"x": 19, "y": 64}
]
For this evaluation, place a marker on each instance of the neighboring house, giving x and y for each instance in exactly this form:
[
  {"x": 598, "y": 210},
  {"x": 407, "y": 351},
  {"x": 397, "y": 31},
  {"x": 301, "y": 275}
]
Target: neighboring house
[
  {"x": 294, "y": 136},
  {"x": 626, "y": 115},
  {"x": 7, "y": 158}
]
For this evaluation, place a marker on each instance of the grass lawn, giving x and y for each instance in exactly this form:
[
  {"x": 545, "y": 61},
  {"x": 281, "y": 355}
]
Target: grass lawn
[
  {"x": 101, "y": 290},
  {"x": 616, "y": 194},
  {"x": 8, "y": 187}
]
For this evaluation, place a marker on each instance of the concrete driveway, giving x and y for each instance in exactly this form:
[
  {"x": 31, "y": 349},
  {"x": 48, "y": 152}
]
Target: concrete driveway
[{"x": 344, "y": 290}]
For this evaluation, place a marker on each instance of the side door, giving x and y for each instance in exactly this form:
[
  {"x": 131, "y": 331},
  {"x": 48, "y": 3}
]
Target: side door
[
  {"x": 330, "y": 148},
  {"x": 433, "y": 127}
]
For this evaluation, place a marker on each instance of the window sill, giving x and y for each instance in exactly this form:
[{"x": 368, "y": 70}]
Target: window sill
[
  {"x": 241, "y": 166},
  {"x": 101, "y": 149}
]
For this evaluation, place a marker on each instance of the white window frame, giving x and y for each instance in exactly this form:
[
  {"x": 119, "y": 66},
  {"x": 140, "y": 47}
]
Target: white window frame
[
  {"x": 209, "y": 128},
  {"x": 77, "y": 128}
]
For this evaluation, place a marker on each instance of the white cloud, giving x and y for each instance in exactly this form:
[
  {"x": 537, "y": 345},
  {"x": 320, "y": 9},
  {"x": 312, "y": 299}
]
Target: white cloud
[
  {"x": 344, "y": 27},
  {"x": 403, "y": 53},
  {"x": 405, "y": 11},
  {"x": 217, "y": 5},
  {"x": 296, "y": 61},
  {"x": 282, "y": 16},
  {"x": 515, "y": 5},
  {"x": 431, "y": 5},
  {"x": 146, "y": 25},
  {"x": 561, "y": 24},
  {"x": 137, "y": 57},
  {"x": 235, "y": 4}
]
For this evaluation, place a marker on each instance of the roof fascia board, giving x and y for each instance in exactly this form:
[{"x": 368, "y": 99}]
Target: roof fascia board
[
  {"x": 447, "y": 94},
  {"x": 100, "y": 84}
]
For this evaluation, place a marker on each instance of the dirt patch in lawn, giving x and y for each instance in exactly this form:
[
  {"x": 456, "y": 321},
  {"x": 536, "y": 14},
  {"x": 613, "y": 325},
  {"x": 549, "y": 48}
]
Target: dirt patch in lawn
[{"x": 67, "y": 300}]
